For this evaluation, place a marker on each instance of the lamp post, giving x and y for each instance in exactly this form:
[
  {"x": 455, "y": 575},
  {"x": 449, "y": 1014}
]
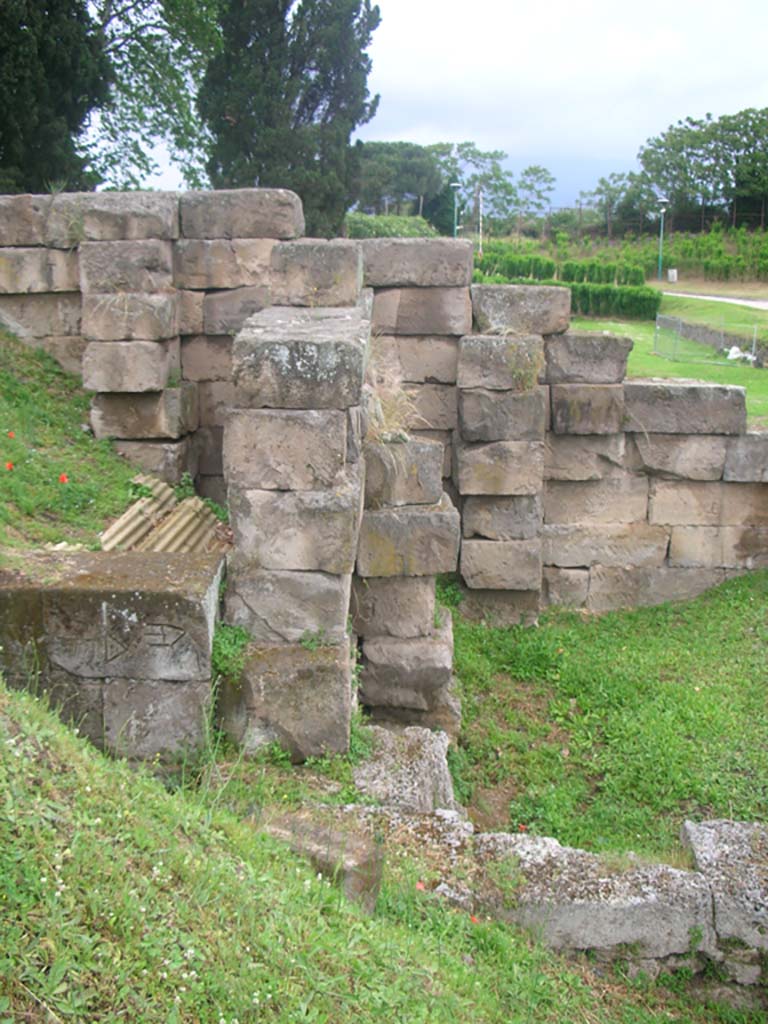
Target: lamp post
[
  {"x": 455, "y": 186},
  {"x": 662, "y": 209}
]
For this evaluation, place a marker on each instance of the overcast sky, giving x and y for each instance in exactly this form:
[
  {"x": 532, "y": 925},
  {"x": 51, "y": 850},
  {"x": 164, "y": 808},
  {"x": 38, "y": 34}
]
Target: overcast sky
[{"x": 577, "y": 87}]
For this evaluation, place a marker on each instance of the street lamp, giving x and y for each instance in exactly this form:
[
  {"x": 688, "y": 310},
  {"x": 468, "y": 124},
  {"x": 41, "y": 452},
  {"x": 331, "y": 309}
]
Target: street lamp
[
  {"x": 662, "y": 209},
  {"x": 455, "y": 186}
]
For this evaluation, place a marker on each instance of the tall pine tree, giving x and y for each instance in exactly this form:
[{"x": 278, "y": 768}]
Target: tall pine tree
[{"x": 284, "y": 95}]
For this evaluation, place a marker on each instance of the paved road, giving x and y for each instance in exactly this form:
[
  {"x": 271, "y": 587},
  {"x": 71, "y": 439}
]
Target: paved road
[{"x": 752, "y": 303}]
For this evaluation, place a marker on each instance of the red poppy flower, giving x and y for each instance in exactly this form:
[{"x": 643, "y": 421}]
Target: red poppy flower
[
  {"x": 522, "y": 828},
  {"x": 420, "y": 886},
  {"x": 473, "y": 919},
  {"x": 9, "y": 465},
  {"x": 11, "y": 434},
  {"x": 63, "y": 479}
]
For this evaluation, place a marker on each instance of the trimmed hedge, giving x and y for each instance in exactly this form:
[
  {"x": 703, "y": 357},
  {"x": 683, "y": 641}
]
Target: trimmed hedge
[{"x": 366, "y": 225}]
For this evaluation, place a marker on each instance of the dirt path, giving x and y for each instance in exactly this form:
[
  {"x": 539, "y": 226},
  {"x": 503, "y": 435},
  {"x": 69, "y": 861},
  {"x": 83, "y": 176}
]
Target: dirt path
[{"x": 752, "y": 303}]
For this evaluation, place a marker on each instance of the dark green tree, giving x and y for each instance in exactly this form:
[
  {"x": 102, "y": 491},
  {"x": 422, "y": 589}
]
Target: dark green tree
[
  {"x": 399, "y": 174},
  {"x": 283, "y": 96},
  {"x": 53, "y": 73}
]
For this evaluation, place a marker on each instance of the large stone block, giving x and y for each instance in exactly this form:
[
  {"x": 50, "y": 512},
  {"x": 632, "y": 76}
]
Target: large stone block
[
  {"x": 217, "y": 398},
  {"x": 241, "y": 213},
  {"x": 169, "y": 460},
  {"x": 444, "y": 715},
  {"x": 130, "y": 365},
  {"x": 583, "y": 457},
  {"x": 393, "y": 606},
  {"x": 620, "y": 499},
  {"x": 417, "y": 262},
  {"x": 587, "y": 408},
  {"x": 294, "y": 695},
  {"x": 41, "y": 316},
  {"x": 564, "y": 588},
  {"x": 404, "y": 473},
  {"x": 284, "y": 449},
  {"x": 22, "y": 219},
  {"x": 745, "y": 505},
  {"x": 207, "y": 357},
  {"x": 205, "y": 264},
  {"x": 422, "y": 311},
  {"x": 698, "y": 457},
  {"x": 502, "y": 518},
  {"x": 140, "y": 266},
  {"x": 76, "y": 217},
  {"x": 504, "y": 415},
  {"x": 302, "y": 358},
  {"x": 747, "y": 458},
  {"x": 286, "y": 607},
  {"x": 503, "y": 467},
  {"x": 684, "y": 407},
  {"x": 587, "y": 357},
  {"x": 500, "y": 362},
  {"x": 209, "y": 448},
  {"x": 635, "y": 544},
  {"x": 730, "y": 547},
  {"x": 520, "y": 309},
  {"x": 226, "y": 312},
  {"x": 501, "y": 564},
  {"x": 304, "y": 530},
  {"x": 315, "y": 272},
  {"x": 612, "y": 588},
  {"x": 433, "y": 406},
  {"x": 146, "y": 719},
  {"x": 190, "y": 312},
  {"x": 169, "y": 414},
  {"x": 414, "y": 359},
  {"x": 38, "y": 270},
  {"x": 408, "y": 673},
  {"x": 130, "y": 316},
  {"x": 678, "y": 503},
  {"x": 501, "y": 608},
  {"x": 413, "y": 540}
]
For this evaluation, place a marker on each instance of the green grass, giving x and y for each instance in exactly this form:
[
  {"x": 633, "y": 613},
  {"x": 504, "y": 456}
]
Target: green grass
[
  {"x": 608, "y": 732},
  {"x": 42, "y": 413},
  {"x": 727, "y": 316}
]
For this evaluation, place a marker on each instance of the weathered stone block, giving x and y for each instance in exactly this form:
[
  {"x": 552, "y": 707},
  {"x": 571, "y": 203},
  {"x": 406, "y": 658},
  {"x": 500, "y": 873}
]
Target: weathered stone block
[
  {"x": 209, "y": 450},
  {"x": 144, "y": 719},
  {"x": 213, "y": 487},
  {"x": 302, "y": 358},
  {"x": 205, "y": 264},
  {"x": 405, "y": 473},
  {"x": 502, "y": 518},
  {"x": 130, "y": 316},
  {"x": 205, "y": 357},
  {"x": 417, "y": 262},
  {"x": 315, "y": 272},
  {"x": 298, "y": 697},
  {"x": 38, "y": 270},
  {"x": 504, "y": 415},
  {"x": 747, "y": 458},
  {"x": 284, "y": 607},
  {"x": 611, "y": 588},
  {"x": 138, "y": 266},
  {"x": 304, "y": 530},
  {"x": 413, "y": 540},
  {"x": 730, "y": 547},
  {"x": 587, "y": 408},
  {"x": 410, "y": 673},
  {"x": 190, "y": 312},
  {"x": 78, "y": 702},
  {"x": 170, "y": 414},
  {"x": 393, "y": 606},
  {"x": 241, "y": 213},
  {"x": 699, "y": 457},
  {"x": 500, "y": 362},
  {"x": 407, "y": 769},
  {"x": 169, "y": 460},
  {"x": 635, "y": 544},
  {"x": 745, "y": 505},
  {"x": 444, "y": 713},
  {"x": 422, "y": 311},
  {"x": 583, "y": 457},
  {"x": 76, "y": 217},
  {"x": 284, "y": 449},
  {"x": 433, "y": 406},
  {"x": 677, "y": 503},
  {"x": 501, "y": 608},
  {"x": 501, "y": 564},
  {"x": 431, "y": 359},
  {"x": 445, "y": 438},
  {"x": 503, "y": 467},
  {"x": 520, "y": 308},
  {"x": 620, "y": 499},
  {"x": 226, "y": 312},
  {"x": 41, "y": 316},
  {"x": 217, "y": 398},
  {"x": 22, "y": 219},
  {"x": 130, "y": 365},
  {"x": 684, "y": 407},
  {"x": 565, "y": 588},
  {"x": 587, "y": 357}
]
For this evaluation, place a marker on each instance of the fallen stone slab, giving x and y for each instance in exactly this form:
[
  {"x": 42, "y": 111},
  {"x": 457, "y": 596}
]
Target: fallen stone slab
[
  {"x": 520, "y": 309},
  {"x": 586, "y": 357},
  {"x": 408, "y": 769}
]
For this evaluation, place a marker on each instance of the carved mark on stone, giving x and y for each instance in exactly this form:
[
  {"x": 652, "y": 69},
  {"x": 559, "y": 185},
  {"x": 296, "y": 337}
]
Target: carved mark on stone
[{"x": 161, "y": 634}]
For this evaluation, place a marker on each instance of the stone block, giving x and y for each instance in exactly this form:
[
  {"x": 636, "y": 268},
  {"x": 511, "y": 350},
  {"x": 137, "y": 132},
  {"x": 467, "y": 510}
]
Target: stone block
[
  {"x": 284, "y": 607},
  {"x": 41, "y": 316},
  {"x": 408, "y": 673},
  {"x": 502, "y": 467},
  {"x": 583, "y": 457},
  {"x": 679, "y": 503},
  {"x": 413, "y": 540},
  {"x": 422, "y": 311},
  {"x": 217, "y": 398},
  {"x": 635, "y": 544},
  {"x": 620, "y": 499},
  {"x": 130, "y": 316},
  {"x": 67, "y": 350},
  {"x": 207, "y": 264},
  {"x": 565, "y": 588},
  {"x": 501, "y": 564},
  {"x": 297, "y": 530},
  {"x": 302, "y": 358},
  {"x": 76, "y": 217},
  {"x": 444, "y": 714},
  {"x": 500, "y": 362},
  {"x": 284, "y": 449},
  {"x": 137, "y": 266},
  {"x": 241, "y": 213},
  {"x": 404, "y": 473},
  {"x": 586, "y": 357},
  {"x": 520, "y": 309},
  {"x": 38, "y": 270},
  {"x": 587, "y": 408},
  {"x": 169, "y": 414},
  {"x": 226, "y": 312},
  {"x": 317, "y": 272},
  {"x": 747, "y": 458},
  {"x": 417, "y": 262},
  {"x": 684, "y": 407},
  {"x": 729, "y": 547},
  {"x": 357, "y": 428},
  {"x": 144, "y": 719},
  {"x": 168, "y": 460},
  {"x": 612, "y": 588},
  {"x": 294, "y": 695},
  {"x": 393, "y": 606},
  {"x": 695, "y": 457},
  {"x": 209, "y": 450},
  {"x": 414, "y": 359},
  {"x": 22, "y": 219},
  {"x": 407, "y": 769},
  {"x": 444, "y": 437},
  {"x": 433, "y": 406},
  {"x": 504, "y": 415},
  {"x": 501, "y": 608},
  {"x": 745, "y": 505},
  {"x": 78, "y": 702},
  {"x": 130, "y": 365},
  {"x": 205, "y": 357},
  {"x": 190, "y": 312},
  {"x": 502, "y": 518}
]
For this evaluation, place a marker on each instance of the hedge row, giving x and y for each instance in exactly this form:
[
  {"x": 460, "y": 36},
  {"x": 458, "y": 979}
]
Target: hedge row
[
  {"x": 365, "y": 225},
  {"x": 599, "y": 300},
  {"x": 600, "y": 272}
]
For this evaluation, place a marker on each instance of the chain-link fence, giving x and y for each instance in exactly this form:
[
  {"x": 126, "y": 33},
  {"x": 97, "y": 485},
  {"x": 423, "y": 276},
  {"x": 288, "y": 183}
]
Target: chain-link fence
[{"x": 694, "y": 343}]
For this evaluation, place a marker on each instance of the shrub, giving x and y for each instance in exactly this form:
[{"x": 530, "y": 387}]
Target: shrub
[{"x": 365, "y": 225}]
